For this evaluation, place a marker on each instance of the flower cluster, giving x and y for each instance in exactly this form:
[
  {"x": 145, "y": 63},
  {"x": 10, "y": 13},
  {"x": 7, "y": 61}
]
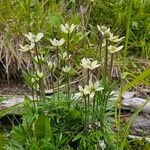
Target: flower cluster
[
  {"x": 67, "y": 29},
  {"x": 87, "y": 63},
  {"x": 26, "y": 47},
  {"x": 33, "y": 39},
  {"x": 110, "y": 37},
  {"x": 90, "y": 89},
  {"x": 113, "y": 49},
  {"x": 104, "y": 31},
  {"x": 51, "y": 65},
  {"x": 56, "y": 42},
  {"x": 102, "y": 144},
  {"x": 64, "y": 56},
  {"x": 66, "y": 69}
]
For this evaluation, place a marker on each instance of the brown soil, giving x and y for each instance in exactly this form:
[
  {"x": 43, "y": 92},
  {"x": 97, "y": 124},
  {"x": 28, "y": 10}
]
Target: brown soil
[{"x": 14, "y": 88}]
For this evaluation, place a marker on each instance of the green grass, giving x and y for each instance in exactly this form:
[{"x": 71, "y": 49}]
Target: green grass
[{"x": 62, "y": 121}]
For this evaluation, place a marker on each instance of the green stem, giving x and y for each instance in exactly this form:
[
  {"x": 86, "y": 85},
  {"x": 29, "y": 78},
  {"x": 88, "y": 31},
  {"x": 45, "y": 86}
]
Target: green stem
[
  {"x": 57, "y": 53},
  {"x": 106, "y": 62},
  {"x": 111, "y": 65},
  {"x": 94, "y": 111},
  {"x": 32, "y": 92},
  {"x": 97, "y": 105},
  {"x": 118, "y": 105},
  {"x": 85, "y": 103},
  {"x": 100, "y": 55},
  {"x": 32, "y": 88},
  {"x": 68, "y": 80},
  {"x": 51, "y": 78},
  {"x": 68, "y": 47},
  {"x": 88, "y": 78},
  {"x": 100, "y": 52},
  {"x": 68, "y": 86},
  {"x": 41, "y": 80}
]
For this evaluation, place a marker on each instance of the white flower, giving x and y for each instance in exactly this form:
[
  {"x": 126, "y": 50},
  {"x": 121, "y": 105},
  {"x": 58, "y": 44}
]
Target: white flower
[
  {"x": 114, "y": 49},
  {"x": 40, "y": 74},
  {"x": 81, "y": 93},
  {"x": 102, "y": 28},
  {"x": 89, "y": 89},
  {"x": 66, "y": 28},
  {"x": 105, "y": 31},
  {"x": 66, "y": 69},
  {"x": 88, "y": 64},
  {"x": 34, "y": 38},
  {"x": 92, "y": 88},
  {"x": 102, "y": 144},
  {"x": 56, "y": 42},
  {"x": 115, "y": 39},
  {"x": 33, "y": 80},
  {"x": 26, "y": 47},
  {"x": 41, "y": 58},
  {"x": 97, "y": 123},
  {"x": 64, "y": 56},
  {"x": 51, "y": 65}
]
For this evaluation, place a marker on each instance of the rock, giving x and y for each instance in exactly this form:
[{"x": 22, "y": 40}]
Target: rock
[
  {"x": 14, "y": 103},
  {"x": 128, "y": 95},
  {"x": 138, "y": 137},
  {"x": 141, "y": 125},
  {"x": 136, "y": 103},
  {"x": 13, "y": 100}
]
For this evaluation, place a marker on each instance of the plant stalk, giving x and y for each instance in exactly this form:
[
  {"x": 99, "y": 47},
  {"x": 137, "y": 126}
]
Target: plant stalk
[
  {"x": 57, "y": 53},
  {"x": 105, "y": 63},
  {"x": 111, "y": 65}
]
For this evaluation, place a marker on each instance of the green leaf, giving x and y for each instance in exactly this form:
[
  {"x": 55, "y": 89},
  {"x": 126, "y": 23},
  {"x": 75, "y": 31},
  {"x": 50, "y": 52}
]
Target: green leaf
[
  {"x": 84, "y": 144},
  {"x": 42, "y": 127},
  {"x": 145, "y": 74},
  {"x": 2, "y": 141},
  {"x": 60, "y": 136},
  {"x": 54, "y": 20},
  {"x": 77, "y": 137}
]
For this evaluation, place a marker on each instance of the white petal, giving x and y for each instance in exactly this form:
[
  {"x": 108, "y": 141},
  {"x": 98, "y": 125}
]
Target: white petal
[
  {"x": 64, "y": 29},
  {"x": 55, "y": 42},
  {"x": 30, "y": 36},
  {"x": 94, "y": 65},
  {"x": 92, "y": 94},
  {"x": 24, "y": 48},
  {"x": 64, "y": 55},
  {"x": 90, "y": 83},
  {"x": 96, "y": 84},
  {"x": 108, "y": 30},
  {"x": 119, "y": 48},
  {"x": 40, "y": 74},
  {"x": 61, "y": 42},
  {"x": 87, "y": 90},
  {"x": 98, "y": 27},
  {"x": 31, "y": 46},
  {"x": 80, "y": 88},
  {"x": 66, "y": 26},
  {"x": 72, "y": 28},
  {"x": 39, "y": 37},
  {"x": 99, "y": 89},
  {"x": 77, "y": 95}
]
